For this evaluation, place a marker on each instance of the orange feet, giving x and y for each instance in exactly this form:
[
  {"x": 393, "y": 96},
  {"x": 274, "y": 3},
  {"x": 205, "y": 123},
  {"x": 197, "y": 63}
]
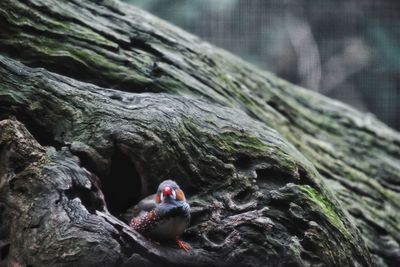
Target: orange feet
[{"x": 182, "y": 245}]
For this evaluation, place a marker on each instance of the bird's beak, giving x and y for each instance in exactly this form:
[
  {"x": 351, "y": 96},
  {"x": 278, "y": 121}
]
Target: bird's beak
[{"x": 167, "y": 191}]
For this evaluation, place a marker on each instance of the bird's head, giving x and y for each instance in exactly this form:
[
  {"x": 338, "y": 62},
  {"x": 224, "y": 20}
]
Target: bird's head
[{"x": 169, "y": 191}]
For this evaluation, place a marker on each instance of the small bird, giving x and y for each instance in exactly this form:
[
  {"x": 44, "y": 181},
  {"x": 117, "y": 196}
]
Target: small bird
[{"x": 163, "y": 216}]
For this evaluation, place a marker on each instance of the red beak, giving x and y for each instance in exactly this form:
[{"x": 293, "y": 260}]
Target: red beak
[{"x": 167, "y": 191}]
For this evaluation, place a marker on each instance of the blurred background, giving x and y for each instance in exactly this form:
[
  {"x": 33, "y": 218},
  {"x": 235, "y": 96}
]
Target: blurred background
[{"x": 348, "y": 50}]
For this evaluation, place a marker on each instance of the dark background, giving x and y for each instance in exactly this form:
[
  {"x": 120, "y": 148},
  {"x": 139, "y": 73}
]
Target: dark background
[{"x": 347, "y": 50}]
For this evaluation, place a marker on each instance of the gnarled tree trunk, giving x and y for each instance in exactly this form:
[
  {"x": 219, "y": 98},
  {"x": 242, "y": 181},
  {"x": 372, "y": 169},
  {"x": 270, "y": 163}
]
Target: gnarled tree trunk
[{"x": 100, "y": 102}]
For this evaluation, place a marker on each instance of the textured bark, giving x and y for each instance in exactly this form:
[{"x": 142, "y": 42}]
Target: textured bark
[{"x": 275, "y": 175}]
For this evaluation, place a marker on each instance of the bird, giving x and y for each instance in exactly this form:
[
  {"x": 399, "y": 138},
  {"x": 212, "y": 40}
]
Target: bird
[{"x": 164, "y": 215}]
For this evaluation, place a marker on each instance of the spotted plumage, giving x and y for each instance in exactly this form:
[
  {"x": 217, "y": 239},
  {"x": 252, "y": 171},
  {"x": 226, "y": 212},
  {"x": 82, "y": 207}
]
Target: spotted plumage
[
  {"x": 166, "y": 217},
  {"x": 144, "y": 223}
]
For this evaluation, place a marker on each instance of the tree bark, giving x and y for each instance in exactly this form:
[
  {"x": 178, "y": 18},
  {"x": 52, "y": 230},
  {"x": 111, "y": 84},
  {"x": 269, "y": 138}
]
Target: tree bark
[{"x": 275, "y": 175}]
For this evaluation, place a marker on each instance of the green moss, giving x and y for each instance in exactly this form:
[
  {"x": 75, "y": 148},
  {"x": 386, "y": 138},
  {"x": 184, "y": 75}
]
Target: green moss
[
  {"x": 326, "y": 208},
  {"x": 93, "y": 62},
  {"x": 234, "y": 141},
  {"x": 23, "y": 15},
  {"x": 242, "y": 140}
]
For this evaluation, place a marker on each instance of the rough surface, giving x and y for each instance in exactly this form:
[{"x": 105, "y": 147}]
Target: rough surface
[
  {"x": 254, "y": 196},
  {"x": 259, "y": 157}
]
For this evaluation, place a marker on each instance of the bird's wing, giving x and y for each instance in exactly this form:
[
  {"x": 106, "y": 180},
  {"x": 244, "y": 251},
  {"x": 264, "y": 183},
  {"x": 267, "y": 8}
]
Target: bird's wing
[
  {"x": 145, "y": 222},
  {"x": 145, "y": 205}
]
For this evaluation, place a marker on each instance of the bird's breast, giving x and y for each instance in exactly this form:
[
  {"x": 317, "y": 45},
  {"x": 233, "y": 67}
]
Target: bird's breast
[{"x": 169, "y": 228}]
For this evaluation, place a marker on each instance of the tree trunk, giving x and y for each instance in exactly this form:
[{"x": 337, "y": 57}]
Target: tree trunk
[{"x": 275, "y": 175}]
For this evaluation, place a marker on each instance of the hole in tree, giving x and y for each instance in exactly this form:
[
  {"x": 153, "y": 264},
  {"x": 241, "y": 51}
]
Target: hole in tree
[
  {"x": 40, "y": 131},
  {"x": 273, "y": 178},
  {"x": 4, "y": 251},
  {"x": 122, "y": 188},
  {"x": 89, "y": 198}
]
